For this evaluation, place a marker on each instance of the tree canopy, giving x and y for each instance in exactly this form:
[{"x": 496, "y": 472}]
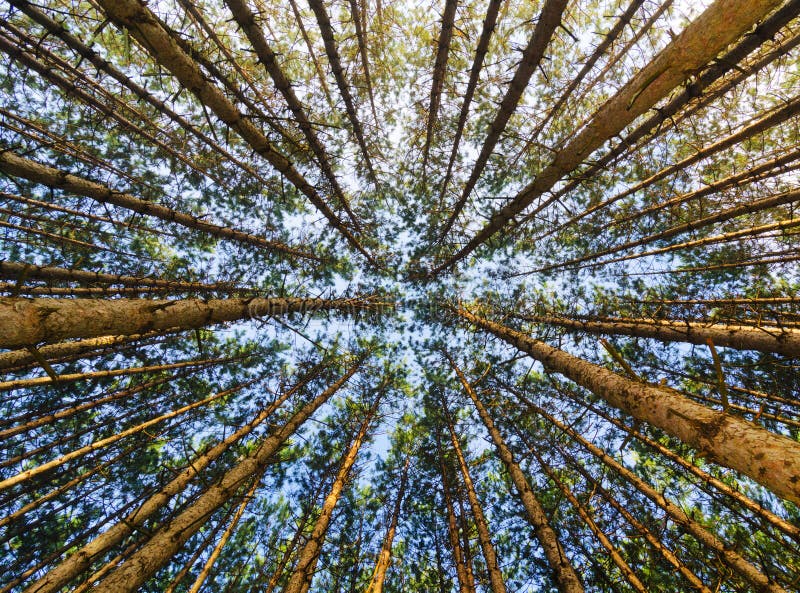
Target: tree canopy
[{"x": 397, "y": 295}]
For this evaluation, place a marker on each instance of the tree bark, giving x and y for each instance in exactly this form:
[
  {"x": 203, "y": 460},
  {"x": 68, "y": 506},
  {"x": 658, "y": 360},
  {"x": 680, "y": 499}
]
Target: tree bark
[
  {"x": 22, "y": 270},
  {"x": 439, "y": 70},
  {"x": 729, "y": 556},
  {"x": 70, "y": 377},
  {"x": 37, "y": 172},
  {"x": 326, "y": 30},
  {"x": 549, "y": 20},
  {"x": 26, "y": 322},
  {"x": 27, "y": 474},
  {"x": 167, "y": 540},
  {"x": 23, "y": 358},
  {"x": 255, "y": 34},
  {"x": 209, "y": 564},
  {"x": 601, "y": 536},
  {"x": 146, "y": 28},
  {"x": 770, "y": 459},
  {"x": 465, "y": 583},
  {"x": 489, "y": 22}
]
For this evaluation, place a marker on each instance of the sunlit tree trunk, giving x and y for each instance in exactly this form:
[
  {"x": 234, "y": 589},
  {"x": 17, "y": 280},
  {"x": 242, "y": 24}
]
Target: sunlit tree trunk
[
  {"x": 465, "y": 583},
  {"x": 24, "y": 357},
  {"x": 385, "y": 555},
  {"x": 484, "y": 537},
  {"x": 81, "y": 559},
  {"x": 300, "y": 581},
  {"x": 771, "y": 459},
  {"x": 701, "y": 41},
  {"x": 765, "y": 338},
  {"x": 729, "y": 556},
  {"x": 27, "y": 169},
  {"x": 564, "y": 573},
  {"x": 26, "y": 322},
  {"x": 209, "y": 564}
]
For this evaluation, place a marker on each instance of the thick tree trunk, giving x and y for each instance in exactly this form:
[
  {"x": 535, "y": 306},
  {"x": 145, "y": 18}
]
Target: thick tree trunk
[
  {"x": 385, "y": 556},
  {"x": 781, "y": 340},
  {"x": 718, "y": 26},
  {"x": 770, "y": 459},
  {"x": 563, "y": 571},
  {"x": 81, "y": 559},
  {"x": 484, "y": 537},
  {"x": 712, "y": 482},
  {"x": 300, "y": 581},
  {"x": 26, "y": 322}
]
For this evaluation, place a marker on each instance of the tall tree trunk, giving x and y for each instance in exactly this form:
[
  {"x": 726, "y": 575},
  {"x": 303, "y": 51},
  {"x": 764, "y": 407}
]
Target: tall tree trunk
[
  {"x": 465, "y": 583},
  {"x": 385, "y": 556},
  {"x": 287, "y": 554},
  {"x": 24, "y": 357},
  {"x": 165, "y": 542},
  {"x": 718, "y": 26},
  {"x": 326, "y": 30},
  {"x": 489, "y": 554},
  {"x": 33, "y": 171},
  {"x": 439, "y": 70},
  {"x": 602, "y": 537},
  {"x": 103, "y": 65},
  {"x": 770, "y": 459},
  {"x": 26, "y": 322},
  {"x": 713, "y": 482},
  {"x": 489, "y": 22},
  {"x": 724, "y": 552},
  {"x": 255, "y": 34},
  {"x": 146, "y": 28},
  {"x": 81, "y": 559},
  {"x": 549, "y": 20},
  {"x": 71, "y": 377},
  {"x": 27, "y": 474},
  {"x": 300, "y": 581},
  {"x": 781, "y": 340},
  {"x": 748, "y": 207},
  {"x": 19, "y": 271},
  {"x": 563, "y": 571}
]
